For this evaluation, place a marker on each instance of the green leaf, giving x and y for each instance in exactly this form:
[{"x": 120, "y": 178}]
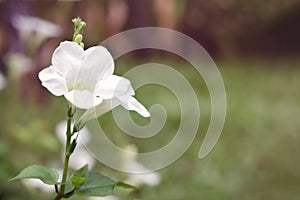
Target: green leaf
[
  {"x": 125, "y": 185},
  {"x": 48, "y": 176},
  {"x": 80, "y": 176},
  {"x": 96, "y": 185}
]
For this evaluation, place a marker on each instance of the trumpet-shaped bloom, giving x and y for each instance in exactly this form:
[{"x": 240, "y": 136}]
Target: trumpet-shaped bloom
[{"x": 85, "y": 78}]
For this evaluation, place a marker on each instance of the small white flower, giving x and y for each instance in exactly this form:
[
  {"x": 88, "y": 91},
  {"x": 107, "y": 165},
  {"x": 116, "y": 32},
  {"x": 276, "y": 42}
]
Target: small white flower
[
  {"x": 111, "y": 197},
  {"x": 86, "y": 79},
  {"x": 18, "y": 64},
  {"x": 130, "y": 164},
  {"x": 151, "y": 178},
  {"x": 2, "y": 82}
]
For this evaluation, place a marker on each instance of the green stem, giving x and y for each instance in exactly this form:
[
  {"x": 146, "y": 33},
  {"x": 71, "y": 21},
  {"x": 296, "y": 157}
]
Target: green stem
[{"x": 61, "y": 193}]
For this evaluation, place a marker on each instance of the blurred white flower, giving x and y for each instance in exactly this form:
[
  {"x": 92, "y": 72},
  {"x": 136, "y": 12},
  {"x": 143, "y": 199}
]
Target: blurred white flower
[
  {"x": 2, "y": 82},
  {"x": 18, "y": 64},
  {"x": 130, "y": 164},
  {"x": 86, "y": 80},
  {"x": 81, "y": 155},
  {"x": 151, "y": 178},
  {"x": 35, "y": 183},
  {"x": 35, "y": 29},
  {"x": 111, "y": 197}
]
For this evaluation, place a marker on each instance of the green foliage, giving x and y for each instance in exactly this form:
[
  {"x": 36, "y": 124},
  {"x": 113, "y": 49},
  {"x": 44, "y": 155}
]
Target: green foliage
[
  {"x": 96, "y": 185},
  {"x": 256, "y": 157},
  {"x": 48, "y": 176}
]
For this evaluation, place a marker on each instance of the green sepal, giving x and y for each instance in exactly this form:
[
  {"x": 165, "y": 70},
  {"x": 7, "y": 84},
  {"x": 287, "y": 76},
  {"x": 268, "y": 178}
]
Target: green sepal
[
  {"x": 78, "y": 39},
  {"x": 48, "y": 176},
  {"x": 72, "y": 146},
  {"x": 80, "y": 176},
  {"x": 125, "y": 186}
]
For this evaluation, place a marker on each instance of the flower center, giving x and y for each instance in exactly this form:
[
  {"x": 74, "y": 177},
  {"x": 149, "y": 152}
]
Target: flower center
[{"x": 82, "y": 85}]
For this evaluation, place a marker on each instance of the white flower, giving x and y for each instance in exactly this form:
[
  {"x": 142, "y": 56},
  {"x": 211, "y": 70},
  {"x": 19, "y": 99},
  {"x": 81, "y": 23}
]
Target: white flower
[
  {"x": 2, "y": 82},
  {"x": 86, "y": 79}
]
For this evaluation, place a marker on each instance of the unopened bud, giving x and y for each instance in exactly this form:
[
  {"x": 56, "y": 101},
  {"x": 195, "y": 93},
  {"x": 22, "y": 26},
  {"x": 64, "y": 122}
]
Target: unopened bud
[
  {"x": 82, "y": 25},
  {"x": 78, "y": 25},
  {"x": 81, "y": 44},
  {"x": 78, "y": 39},
  {"x": 78, "y": 31},
  {"x": 71, "y": 110}
]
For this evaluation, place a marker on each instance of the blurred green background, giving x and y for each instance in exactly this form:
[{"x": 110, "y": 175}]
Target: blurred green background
[{"x": 256, "y": 48}]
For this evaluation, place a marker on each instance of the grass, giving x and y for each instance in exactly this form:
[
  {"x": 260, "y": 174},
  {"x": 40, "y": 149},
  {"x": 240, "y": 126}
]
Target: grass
[{"x": 256, "y": 157}]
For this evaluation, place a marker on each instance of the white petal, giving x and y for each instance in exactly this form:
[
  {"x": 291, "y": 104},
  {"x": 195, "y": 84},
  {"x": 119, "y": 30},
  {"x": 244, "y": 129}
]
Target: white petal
[
  {"x": 130, "y": 103},
  {"x": 83, "y": 99},
  {"x": 113, "y": 86},
  {"x": 97, "y": 64},
  {"x": 67, "y": 60},
  {"x": 96, "y": 112},
  {"x": 55, "y": 83}
]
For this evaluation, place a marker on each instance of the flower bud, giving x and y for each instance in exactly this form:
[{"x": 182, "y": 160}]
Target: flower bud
[
  {"x": 78, "y": 39},
  {"x": 71, "y": 110},
  {"x": 81, "y": 44},
  {"x": 80, "y": 176},
  {"x": 78, "y": 25},
  {"x": 82, "y": 25}
]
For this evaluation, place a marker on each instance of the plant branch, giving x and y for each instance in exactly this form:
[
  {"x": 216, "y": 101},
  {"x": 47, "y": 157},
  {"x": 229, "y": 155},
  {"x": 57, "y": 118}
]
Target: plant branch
[{"x": 61, "y": 193}]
